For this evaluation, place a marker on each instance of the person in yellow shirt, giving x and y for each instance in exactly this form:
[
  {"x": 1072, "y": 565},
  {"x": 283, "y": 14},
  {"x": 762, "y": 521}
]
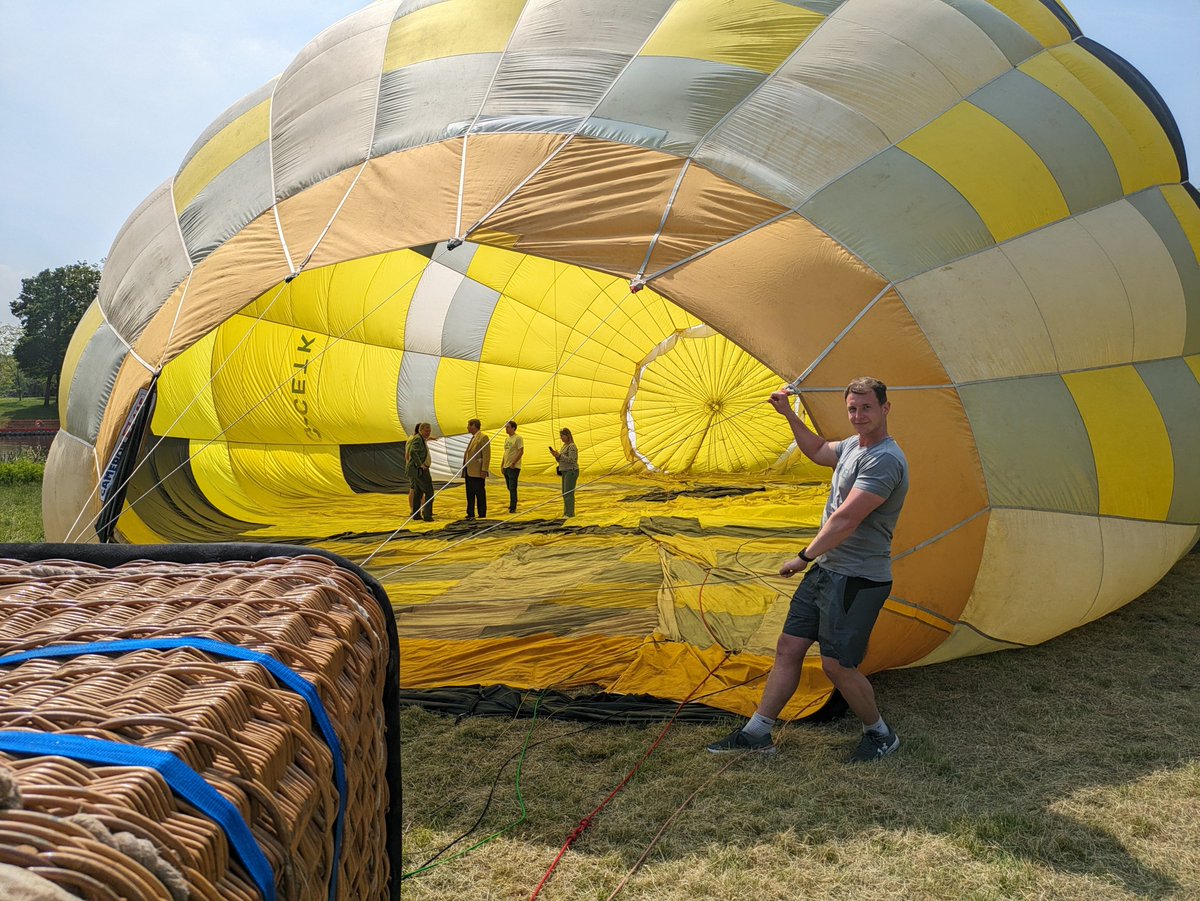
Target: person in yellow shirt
[
  {"x": 510, "y": 463},
  {"x": 477, "y": 460}
]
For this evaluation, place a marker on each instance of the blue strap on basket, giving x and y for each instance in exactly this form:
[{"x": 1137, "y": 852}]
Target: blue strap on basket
[
  {"x": 184, "y": 781},
  {"x": 286, "y": 676}
]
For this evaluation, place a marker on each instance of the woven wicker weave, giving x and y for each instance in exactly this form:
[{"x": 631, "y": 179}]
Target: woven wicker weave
[{"x": 252, "y": 740}]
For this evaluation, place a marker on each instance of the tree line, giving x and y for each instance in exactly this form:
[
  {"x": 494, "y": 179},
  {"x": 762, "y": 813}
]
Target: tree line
[{"x": 48, "y": 309}]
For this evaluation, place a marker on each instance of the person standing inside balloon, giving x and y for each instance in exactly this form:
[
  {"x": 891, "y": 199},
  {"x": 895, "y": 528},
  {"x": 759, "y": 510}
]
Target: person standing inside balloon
[
  {"x": 510, "y": 463},
  {"x": 416, "y": 469},
  {"x": 849, "y": 571},
  {"x": 477, "y": 463},
  {"x": 568, "y": 469}
]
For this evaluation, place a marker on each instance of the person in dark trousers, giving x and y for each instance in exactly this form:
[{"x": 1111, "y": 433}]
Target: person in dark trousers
[
  {"x": 510, "y": 463},
  {"x": 416, "y": 469},
  {"x": 477, "y": 463},
  {"x": 849, "y": 571},
  {"x": 568, "y": 470}
]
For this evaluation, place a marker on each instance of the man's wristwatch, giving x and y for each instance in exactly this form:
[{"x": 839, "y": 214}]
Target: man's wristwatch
[{"x": 807, "y": 559}]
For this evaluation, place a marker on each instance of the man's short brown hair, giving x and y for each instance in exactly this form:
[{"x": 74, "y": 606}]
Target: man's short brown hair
[
  {"x": 474, "y": 422},
  {"x": 864, "y": 384}
]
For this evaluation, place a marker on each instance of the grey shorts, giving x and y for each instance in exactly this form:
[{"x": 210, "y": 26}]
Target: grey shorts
[{"x": 836, "y": 611}]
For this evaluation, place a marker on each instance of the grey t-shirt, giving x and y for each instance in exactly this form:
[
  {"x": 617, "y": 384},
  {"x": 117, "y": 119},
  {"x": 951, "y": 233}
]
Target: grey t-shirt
[{"x": 880, "y": 469}]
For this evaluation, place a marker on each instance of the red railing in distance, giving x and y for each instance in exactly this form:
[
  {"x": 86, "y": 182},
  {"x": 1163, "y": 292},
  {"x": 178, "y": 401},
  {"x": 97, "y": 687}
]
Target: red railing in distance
[{"x": 29, "y": 427}]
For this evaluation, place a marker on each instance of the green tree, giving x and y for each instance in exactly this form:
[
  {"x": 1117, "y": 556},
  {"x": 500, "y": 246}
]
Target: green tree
[
  {"x": 12, "y": 381},
  {"x": 49, "y": 307}
]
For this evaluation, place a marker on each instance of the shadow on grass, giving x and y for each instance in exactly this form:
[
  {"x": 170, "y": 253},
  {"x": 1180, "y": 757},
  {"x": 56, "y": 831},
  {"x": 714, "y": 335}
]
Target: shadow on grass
[{"x": 992, "y": 746}]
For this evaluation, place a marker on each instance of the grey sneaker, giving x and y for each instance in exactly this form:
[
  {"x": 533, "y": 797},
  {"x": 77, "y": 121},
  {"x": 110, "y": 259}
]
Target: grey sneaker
[
  {"x": 737, "y": 741},
  {"x": 873, "y": 746}
]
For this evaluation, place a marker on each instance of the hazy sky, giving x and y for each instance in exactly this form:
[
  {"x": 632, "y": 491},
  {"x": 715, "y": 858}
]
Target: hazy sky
[{"x": 100, "y": 99}]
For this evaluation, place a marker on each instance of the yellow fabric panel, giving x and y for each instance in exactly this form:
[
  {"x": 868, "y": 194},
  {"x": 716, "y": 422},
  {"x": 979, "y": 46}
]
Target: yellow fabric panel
[
  {"x": 1136, "y": 556},
  {"x": 1194, "y": 364},
  {"x": 362, "y": 300},
  {"x": 720, "y": 32},
  {"x": 1033, "y": 16},
  {"x": 91, "y": 320},
  {"x": 133, "y": 530},
  {"x": 1129, "y": 439},
  {"x": 1011, "y": 601},
  {"x": 284, "y": 385},
  {"x": 451, "y": 28},
  {"x": 267, "y": 484},
  {"x": 227, "y": 146},
  {"x": 493, "y": 266},
  {"x": 1187, "y": 212},
  {"x": 1136, "y": 142},
  {"x": 986, "y": 161},
  {"x": 900, "y": 637},
  {"x": 70, "y": 495},
  {"x": 963, "y": 642},
  {"x": 185, "y": 407}
]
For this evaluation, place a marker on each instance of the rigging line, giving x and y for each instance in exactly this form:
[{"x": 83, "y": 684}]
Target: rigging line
[
  {"x": 337, "y": 211},
  {"x": 662, "y": 222},
  {"x": 433, "y": 861},
  {"x": 587, "y": 820},
  {"x": 334, "y": 339},
  {"x": 462, "y": 168},
  {"x": 842, "y": 334},
  {"x": 83, "y": 509}
]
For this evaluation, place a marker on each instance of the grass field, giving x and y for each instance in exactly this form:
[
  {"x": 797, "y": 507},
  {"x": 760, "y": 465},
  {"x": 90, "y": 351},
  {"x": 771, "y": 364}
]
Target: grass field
[{"x": 29, "y": 408}]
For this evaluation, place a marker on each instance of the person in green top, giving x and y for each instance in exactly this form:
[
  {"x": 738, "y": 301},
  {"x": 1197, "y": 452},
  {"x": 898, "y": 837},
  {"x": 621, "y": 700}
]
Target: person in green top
[{"x": 416, "y": 468}]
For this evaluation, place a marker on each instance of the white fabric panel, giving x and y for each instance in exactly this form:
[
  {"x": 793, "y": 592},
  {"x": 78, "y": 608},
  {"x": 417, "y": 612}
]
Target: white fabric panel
[
  {"x": 1148, "y": 274},
  {"x": 70, "y": 496},
  {"x": 1068, "y": 273},
  {"x": 964, "y": 54},
  {"x": 446, "y": 456},
  {"x": 414, "y": 391},
  {"x": 427, "y": 313},
  {"x": 1136, "y": 556},
  {"x": 146, "y": 263},
  {"x": 980, "y": 319},
  {"x": 787, "y": 141},
  {"x": 857, "y": 65},
  {"x": 1023, "y": 549},
  {"x": 323, "y": 112}
]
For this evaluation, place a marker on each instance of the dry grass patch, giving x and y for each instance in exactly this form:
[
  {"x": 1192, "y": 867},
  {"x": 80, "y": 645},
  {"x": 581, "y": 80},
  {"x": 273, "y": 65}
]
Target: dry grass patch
[{"x": 1071, "y": 770}]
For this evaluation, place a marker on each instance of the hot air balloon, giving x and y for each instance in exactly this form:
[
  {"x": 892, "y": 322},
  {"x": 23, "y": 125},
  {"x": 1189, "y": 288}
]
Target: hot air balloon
[{"x": 635, "y": 219}]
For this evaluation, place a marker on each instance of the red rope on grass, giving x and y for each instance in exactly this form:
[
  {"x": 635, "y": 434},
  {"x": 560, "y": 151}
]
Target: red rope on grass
[{"x": 587, "y": 820}]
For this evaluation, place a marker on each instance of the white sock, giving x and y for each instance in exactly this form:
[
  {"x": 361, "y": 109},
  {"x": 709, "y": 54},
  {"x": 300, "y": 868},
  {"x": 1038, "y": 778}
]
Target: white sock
[
  {"x": 758, "y": 725},
  {"x": 879, "y": 727}
]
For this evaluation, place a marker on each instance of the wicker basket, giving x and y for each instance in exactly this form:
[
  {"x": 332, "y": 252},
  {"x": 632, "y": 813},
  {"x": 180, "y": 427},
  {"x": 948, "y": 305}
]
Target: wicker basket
[{"x": 171, "y": 686}]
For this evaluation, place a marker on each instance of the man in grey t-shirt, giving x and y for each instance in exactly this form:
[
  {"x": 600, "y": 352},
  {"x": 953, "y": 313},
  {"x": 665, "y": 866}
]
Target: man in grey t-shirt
[{"x": 838, "y": 601}]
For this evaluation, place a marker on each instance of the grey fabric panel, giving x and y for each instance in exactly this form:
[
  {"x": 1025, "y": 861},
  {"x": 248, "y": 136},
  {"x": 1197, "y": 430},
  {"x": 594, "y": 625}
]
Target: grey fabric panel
[
  {"x": 405, "y": 7},
  {"x": 683, "y": 97},
  {"x": 1177, "y": 394},
  {"x": 323, "y": 111},
  {"x": 787, "y": 140},
  {"x": 1033, "y": 444},
  {"x": 1014, "y": 41},
  {"x": 458, "y": 259},
  {"x": 227, "y": 203},
  {"x": 621, "y": 26},
  {"x": 824, "y": 7},
  {"x": 374, "y": 468},
  {"x": 92, "y": 384},
  {"x": 467, "y": 320},
  {"x": 1158, "y": 213},
  {"x": 430, "y": 101},
  {"x": 147, "y": 262},
  {"x": 414, "y": 390},
  {"x": 899, "y": 216},
  {"x": 244, "y": 105},
  {"x": 552, "y": 83},
  {"x": 1058, "y": 134}
]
